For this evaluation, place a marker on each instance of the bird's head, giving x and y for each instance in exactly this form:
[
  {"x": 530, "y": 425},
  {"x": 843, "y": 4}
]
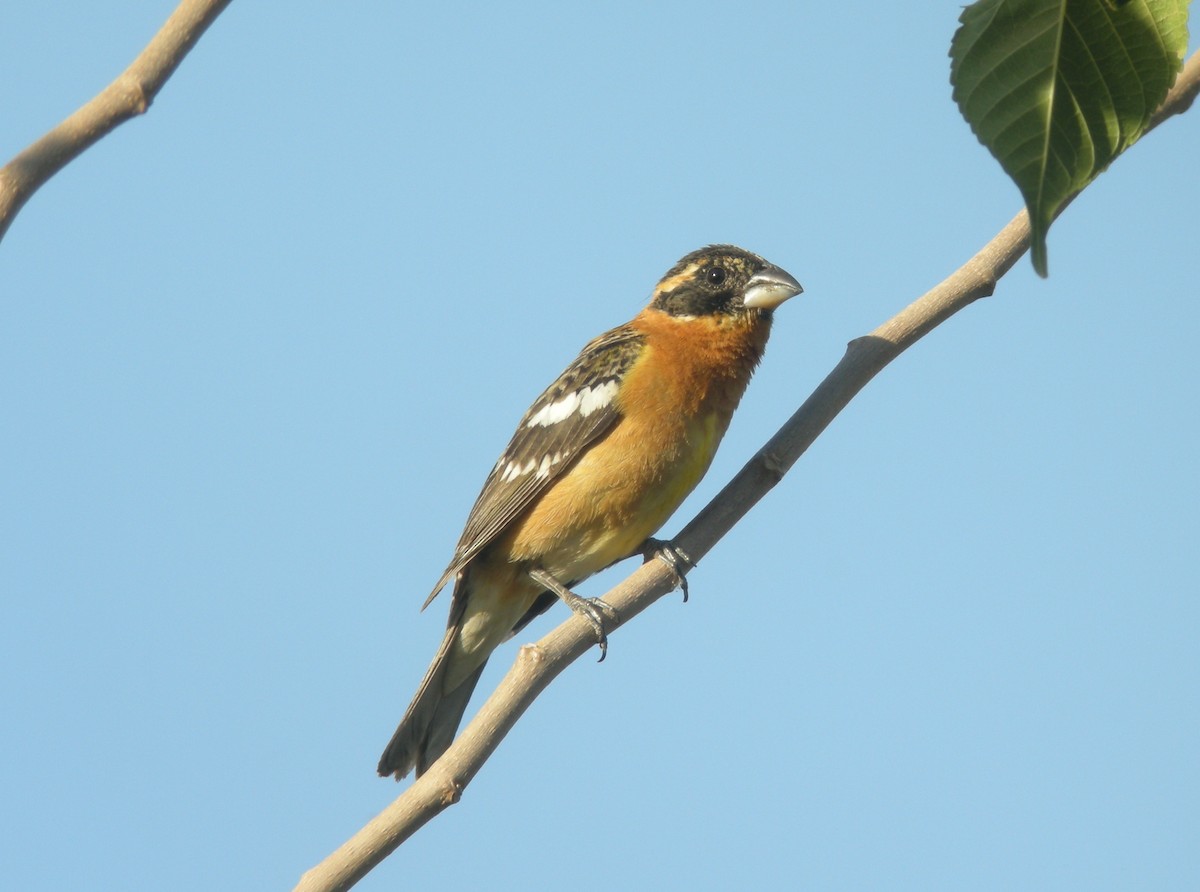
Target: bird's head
[{"x": 723, "y": 280}]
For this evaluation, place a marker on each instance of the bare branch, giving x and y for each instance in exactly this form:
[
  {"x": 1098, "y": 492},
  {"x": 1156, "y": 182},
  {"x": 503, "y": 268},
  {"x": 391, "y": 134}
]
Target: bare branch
[
  {"x": 539, "y": 664},
  {"x": 1182, "y": 93},
  {"x": 129, "y": 95}
]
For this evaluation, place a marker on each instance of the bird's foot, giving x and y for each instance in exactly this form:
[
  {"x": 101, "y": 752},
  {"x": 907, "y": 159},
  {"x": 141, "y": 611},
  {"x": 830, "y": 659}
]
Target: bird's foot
[
  {"x": 591, "y": 609},
  {"x": 673, "y": 556}
]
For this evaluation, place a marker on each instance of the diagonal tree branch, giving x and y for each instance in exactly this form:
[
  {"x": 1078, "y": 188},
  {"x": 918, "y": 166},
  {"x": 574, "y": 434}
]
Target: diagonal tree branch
[
  {"x": 127, "y": 96},
  {"x": 539, "y": 664}
]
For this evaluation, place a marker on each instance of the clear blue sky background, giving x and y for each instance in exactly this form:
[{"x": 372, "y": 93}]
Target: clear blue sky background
[{"x": 259, "y": 348}]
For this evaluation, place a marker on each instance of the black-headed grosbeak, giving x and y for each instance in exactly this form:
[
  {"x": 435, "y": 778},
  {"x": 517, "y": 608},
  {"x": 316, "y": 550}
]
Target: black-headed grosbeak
[{"x": 599, "y": 462}]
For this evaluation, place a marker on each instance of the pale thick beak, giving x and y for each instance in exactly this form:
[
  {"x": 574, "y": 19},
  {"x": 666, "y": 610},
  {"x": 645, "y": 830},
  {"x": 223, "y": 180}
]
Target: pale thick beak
[{"x": 768, "y": 289}]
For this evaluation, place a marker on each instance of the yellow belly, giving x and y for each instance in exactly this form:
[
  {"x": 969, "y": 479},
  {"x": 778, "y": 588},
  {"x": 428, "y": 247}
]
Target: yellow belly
[{"x": 607, "y": 505}]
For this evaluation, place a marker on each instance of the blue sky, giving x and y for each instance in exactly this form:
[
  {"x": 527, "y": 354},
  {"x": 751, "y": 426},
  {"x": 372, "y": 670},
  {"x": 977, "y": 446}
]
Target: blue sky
[{"x": 259, "y": 348}]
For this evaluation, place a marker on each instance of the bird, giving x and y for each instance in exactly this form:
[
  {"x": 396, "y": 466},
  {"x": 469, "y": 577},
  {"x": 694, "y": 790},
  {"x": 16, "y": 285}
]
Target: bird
[{"x": 597, "y": 464}]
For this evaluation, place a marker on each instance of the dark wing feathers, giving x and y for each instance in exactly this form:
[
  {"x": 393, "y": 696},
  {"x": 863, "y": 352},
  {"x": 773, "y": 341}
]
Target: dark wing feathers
[{"x": 555, "y": 430}]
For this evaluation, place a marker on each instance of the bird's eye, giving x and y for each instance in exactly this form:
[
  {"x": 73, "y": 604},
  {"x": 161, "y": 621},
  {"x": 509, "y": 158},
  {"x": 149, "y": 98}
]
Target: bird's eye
[{"x": 715, "y": 275}]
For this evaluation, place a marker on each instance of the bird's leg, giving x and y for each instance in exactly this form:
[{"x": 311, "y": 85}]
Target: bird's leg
[
  {"x": 590, "y": 609},
  {"x": 673, "y": 556}
]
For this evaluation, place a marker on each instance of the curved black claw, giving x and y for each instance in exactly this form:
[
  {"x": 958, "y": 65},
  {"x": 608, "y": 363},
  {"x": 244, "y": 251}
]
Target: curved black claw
[
  {"x": 674, "y": 557},
  {"x": 591, "y": 609}
]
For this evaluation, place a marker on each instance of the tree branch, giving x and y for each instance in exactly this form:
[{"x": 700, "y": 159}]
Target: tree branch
[
  {"x": 129, "y": 95},
  {"x": 539, "y": 664}
]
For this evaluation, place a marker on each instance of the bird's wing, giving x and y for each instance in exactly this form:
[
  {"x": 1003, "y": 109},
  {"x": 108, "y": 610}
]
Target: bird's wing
[{"x": 570, "y": 415}]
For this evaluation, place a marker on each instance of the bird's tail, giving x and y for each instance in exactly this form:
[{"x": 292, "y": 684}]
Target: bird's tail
[{"x": 429, "y": 725}]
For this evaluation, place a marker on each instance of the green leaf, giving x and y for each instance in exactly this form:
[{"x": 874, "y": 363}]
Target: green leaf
[{"x": 1056, "y": 89}]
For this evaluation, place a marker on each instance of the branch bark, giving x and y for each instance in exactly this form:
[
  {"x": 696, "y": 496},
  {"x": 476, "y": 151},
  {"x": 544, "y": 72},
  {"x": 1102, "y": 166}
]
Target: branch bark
[
  {"x": 127, "y": 96},
  {"x": 539, "y": 664}
]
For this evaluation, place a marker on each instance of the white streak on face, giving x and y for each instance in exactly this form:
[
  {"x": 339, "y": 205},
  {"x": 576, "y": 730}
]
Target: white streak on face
[{"x": 586, "y": 400}]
